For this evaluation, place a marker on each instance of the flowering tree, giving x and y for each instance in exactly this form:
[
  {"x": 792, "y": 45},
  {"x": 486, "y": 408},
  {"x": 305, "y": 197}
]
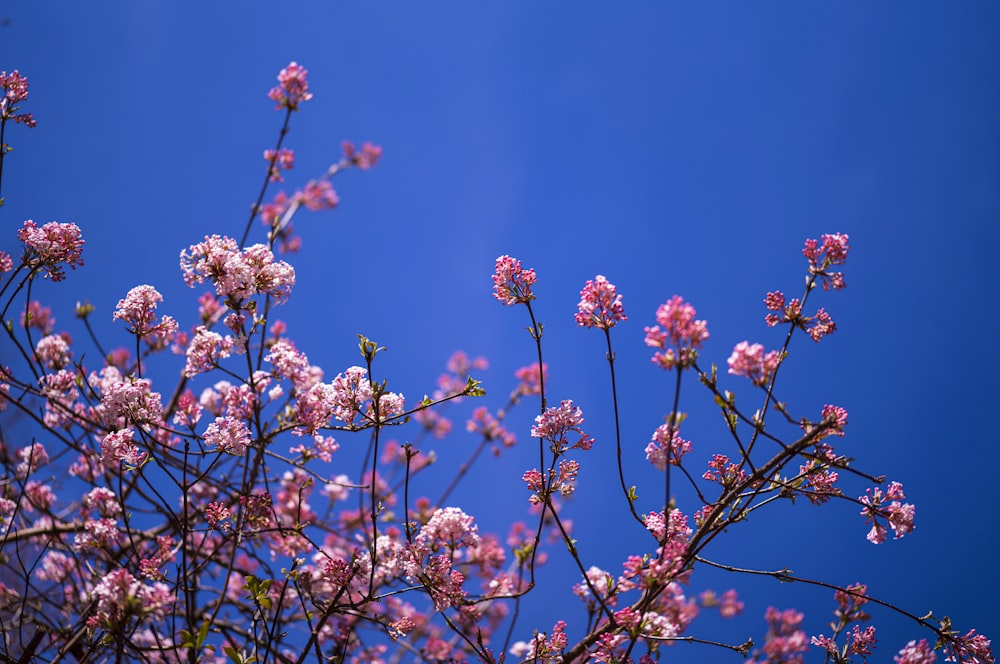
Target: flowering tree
[{"x": 205, "y": 518}]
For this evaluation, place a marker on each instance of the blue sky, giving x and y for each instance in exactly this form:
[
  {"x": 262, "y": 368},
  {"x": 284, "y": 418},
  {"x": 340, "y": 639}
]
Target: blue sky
[{"x": 684, "y": 149}]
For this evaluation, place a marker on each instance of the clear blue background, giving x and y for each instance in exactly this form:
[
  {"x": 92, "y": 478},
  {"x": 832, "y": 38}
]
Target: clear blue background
[{"x": 674, "y": 148}]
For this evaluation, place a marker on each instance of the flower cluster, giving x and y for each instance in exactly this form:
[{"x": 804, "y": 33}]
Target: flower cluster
[
  {"x": 365, "y": 158},
  {"x": 229, "y": 435},
  {"x": 830, "y": 250},
  {"x": 556, "y": 423},
  {"x": 50, "y": 247},
  {"x": 292, "y": 88},
  {"x": 600, "y": 305},
  {"x": 15, "y": 90},
  {"x": 817, "y": 326},
  {"x": 512, "y": 283},
  {"x": 667, "y": 446},
  {"x": 677, "y": 334},
  {"x": 279, "y": 160},
  {"x": 887, "y": 506},
  {"x": 237, "y": 274},
  {"x": 750, "y": 361},
  {"x": 138, "y": 310}
]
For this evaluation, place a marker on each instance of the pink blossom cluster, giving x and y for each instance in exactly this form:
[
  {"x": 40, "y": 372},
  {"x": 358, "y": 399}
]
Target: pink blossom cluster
[
  {"x": 279, "y": 160},
  {"x": 750, "y": 361},
  {"x": 530, "y": 379},
  {"x": 677, "y": 334},
  {"x": 785, "y": 641},
  {"x": 50, "y": 247},
  {"x": 483, "y": 422},
  {"x": 559, "y": 423},
  {"x": 887, "y": 506},
  {"x": 15, "y": 91},
  {"x": 237, "y": 274},
  {"x": 292, "y": 88},
  {"x": 816, "y": 326},
  {"x": 667, "y": 446},
  {"x": 121, "y": 597},
  {"x": 830, "y": 250},
  {"x": 228, "y": 435},
  {"x": 512, "y": 283},
  {"x": 600, "y": 305},
  {"x": 365, "y": 158},
  {"x": 138, "y": 310}
]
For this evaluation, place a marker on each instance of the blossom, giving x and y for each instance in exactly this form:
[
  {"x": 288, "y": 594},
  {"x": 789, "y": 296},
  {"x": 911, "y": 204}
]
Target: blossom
[
  {"x": 830, "y": 250},
  {"x": 512, "y": 283},
  {"x": 15, "y": 90},
  {"x": 364, "y": 159},
  {"x": 530, "y": 379},
  {"x": 318, "y": 195},
  {"x": 237, "y": 273},
  {"x": 279, "y": 160},
  {"x": 53, "y": 351},
  {"x": 677, "y": 334},
  {"x": 292, "y": 88},
  {"x": 887, "y": 506},
  {"x": 448, "y": 527},
  {"x": 750, "y": 361},
  {"x": 785, "y": 641},
  {"x": 138, "y": 310},
  {"x": 229, "y": 435},
  {"x": 600, "y": 305},
  {"x": 916, "y": 653},
  {"x": 118, "y": 447},
  {"x": 120, "y": 595},
  {"x": 666, "y": 447},
  {"x": 205, "y": 351},
  {"x": 973, "y": 648},
  {"x": 559, "y": 421},
  {"x": 484, "y": 422},
  {"x": 51, "y": 246}
]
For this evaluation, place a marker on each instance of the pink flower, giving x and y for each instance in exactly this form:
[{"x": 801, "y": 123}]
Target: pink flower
[
  {"x": 662, "y": 451},
  {"x": 365, "y": 159},
  {"x": 899, "y": 516},
  {"x": 38, "y": 317},
  {"x": 973, "y": 648},
  {"x": 118, "y": 447},
  {"x": 282, "y": 160},
  {"x": 229, "y": 435},
  {"x": 318, "y": 195},
  {"x": 450, "y": 528},
  {"x": 15, "y": 90},
  {"x": 205, "y": 351},
  {"x": 351, "y": 389},
  {"x": 677, "y": 334},
  {"x": 916, "y": 653},
  {"x": 750, "y": 361},
  {"x": 292, "y": 88},
  {"x": 121, "y": 596},
  {"x": 557, "y": 422},
  {"x": 32, "y": 458},
  {"x": 53, "y": 352},
  {"x": 50, "y": 246},
  {"x": 785, "y": 642},
  {"x": 531, "y": 379},
  {"x": 238, "y": 274},
  {"x": 832, "y": 250},
  {"x": 482, "y": 421},
  {"x": 511, "y": 283},
  {"x": 138, "y": 310},
  {"x": 600, "y": 306},
  {"x": 820, "y": 325}
]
